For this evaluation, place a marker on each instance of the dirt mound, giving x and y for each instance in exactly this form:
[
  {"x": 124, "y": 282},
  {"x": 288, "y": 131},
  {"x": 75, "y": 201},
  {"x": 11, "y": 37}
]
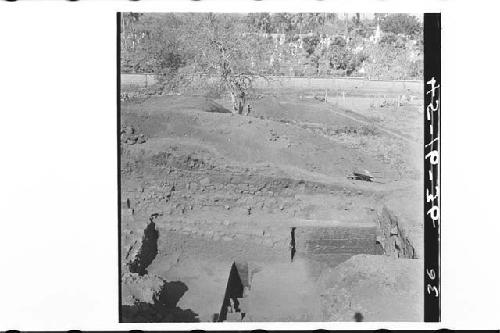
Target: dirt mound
[
  {"x": 151, "y": 299},
  {"x": 296, "y": 110},
  {"x": 230, "y": 187},
  {"x": 136, "y": 288},
  {"x": 374, "y": 288},
  {"x": 179, "y": 103},
  {"x": 211, "y": 106}
]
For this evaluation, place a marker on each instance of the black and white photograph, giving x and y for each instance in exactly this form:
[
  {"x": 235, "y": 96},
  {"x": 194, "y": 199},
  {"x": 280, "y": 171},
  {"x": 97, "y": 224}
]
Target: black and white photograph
[
  {"x": 249, "y": 165},
  {"x": 271, "y": 167}
]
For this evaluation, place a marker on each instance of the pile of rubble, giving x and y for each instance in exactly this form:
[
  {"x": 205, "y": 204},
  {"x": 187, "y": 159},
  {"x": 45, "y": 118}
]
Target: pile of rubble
[{"x": 129, "y": 136}]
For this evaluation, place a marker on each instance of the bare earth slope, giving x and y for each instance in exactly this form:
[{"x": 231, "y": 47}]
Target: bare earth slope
[{"x": 226, "y": 187}]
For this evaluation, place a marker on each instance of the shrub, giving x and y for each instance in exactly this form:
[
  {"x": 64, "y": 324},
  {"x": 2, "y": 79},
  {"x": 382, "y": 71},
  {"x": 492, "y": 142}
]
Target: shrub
[{"x": 401, "y": 24}]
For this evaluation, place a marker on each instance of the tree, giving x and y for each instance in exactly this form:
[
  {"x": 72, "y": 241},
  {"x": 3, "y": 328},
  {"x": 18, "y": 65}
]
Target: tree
[
  {"x": 223, "y": 47},
  {"x": 310, "y": 43},
  {"x": 281, "y": 22},
  {"x": 391, "y": 63},
  {"x": 150, "y": 43},
  {"x": 261, "y": 21},
  {"x": 221, "y": 52},
  {"x": 401, "y": 24}
]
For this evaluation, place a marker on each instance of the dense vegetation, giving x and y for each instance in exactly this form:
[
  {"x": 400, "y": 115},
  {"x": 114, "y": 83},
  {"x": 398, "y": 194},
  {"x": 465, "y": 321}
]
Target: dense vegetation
[{"x": 232, "y": 49}]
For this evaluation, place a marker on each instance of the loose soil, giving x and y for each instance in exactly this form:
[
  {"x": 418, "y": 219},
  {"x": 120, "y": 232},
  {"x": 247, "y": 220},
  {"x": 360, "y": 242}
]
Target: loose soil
[{"x": 220, "y": 188}]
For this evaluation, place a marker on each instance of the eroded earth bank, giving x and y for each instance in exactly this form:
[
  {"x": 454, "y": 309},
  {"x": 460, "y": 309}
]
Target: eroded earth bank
[{"x": 255, "y": 218}]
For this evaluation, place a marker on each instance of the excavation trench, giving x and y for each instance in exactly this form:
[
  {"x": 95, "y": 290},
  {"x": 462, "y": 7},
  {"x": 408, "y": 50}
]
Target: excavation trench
[
  {"x": 331, "y": 241},
  {"x": 234, "y": 305},
  {"x": 287, "y": 290},
  {"x": 146, "y": 253}
]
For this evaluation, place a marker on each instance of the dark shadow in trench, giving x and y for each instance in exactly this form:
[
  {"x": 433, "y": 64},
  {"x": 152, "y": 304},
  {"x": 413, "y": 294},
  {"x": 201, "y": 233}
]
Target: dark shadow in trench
[
  {"x": 234, "y": 290},
  {"x": 163, "y": 310},
  {"x": 147, "y": 252}
]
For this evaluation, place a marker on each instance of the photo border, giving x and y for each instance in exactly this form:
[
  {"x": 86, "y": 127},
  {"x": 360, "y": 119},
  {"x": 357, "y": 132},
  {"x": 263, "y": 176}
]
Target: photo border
[{"x": 432, "y": 167}]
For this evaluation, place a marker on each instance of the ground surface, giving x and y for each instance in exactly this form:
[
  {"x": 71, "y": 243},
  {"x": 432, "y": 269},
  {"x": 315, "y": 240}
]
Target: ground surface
[{"x": 229, "y": 187}]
